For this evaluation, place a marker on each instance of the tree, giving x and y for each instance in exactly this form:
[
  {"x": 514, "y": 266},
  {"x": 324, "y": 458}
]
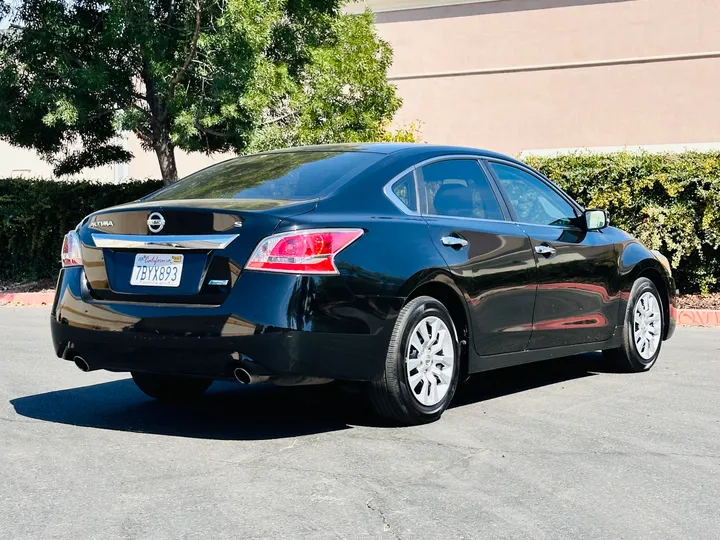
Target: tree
[{"x": 201, "y": 75}]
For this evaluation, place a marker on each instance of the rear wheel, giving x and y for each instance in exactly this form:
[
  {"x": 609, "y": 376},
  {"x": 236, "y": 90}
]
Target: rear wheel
[
  {"x": 643, "y": 329},
  {"x": 173, "y": 388},
  {"x": 421, "y": 366}
]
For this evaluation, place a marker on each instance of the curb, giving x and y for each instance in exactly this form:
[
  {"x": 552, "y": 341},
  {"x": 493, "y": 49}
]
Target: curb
[
  {"x": 685, "y": 317},
  {"x": 698, "y": 317},
  {"x": 34, "y": 299}
]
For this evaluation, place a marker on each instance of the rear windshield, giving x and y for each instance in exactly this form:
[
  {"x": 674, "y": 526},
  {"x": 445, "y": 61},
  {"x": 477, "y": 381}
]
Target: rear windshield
[{"x": 285, "y": 175}]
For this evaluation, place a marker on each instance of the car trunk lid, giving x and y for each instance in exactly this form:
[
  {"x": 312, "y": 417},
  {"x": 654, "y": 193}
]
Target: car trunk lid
[{"x": 207, "y": 242}]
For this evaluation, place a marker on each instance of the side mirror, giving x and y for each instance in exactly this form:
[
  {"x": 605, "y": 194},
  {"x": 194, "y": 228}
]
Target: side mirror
[{"x": 596, "y": 220}]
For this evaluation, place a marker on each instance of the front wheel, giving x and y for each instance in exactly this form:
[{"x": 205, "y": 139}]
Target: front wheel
[
  {"x": 172, "y": 388},
  {"x": 421, "y": 366},
  {"x": 643, "y": 329}
]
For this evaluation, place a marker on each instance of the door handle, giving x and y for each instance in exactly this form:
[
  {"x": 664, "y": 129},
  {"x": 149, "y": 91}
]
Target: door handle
[
  {"x": 454, "y": 241},
  {"x": 545, "y": 250}
]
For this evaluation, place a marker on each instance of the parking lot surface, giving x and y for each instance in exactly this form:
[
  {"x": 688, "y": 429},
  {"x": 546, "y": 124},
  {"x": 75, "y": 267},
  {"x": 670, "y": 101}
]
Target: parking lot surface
[{"x": 565, "y": 449}]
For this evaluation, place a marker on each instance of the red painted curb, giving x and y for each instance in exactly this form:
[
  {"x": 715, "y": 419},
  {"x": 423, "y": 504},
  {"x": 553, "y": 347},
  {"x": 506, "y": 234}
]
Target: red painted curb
[
  {"x": 27, "y": 299},
  {"x": 698, "y": 317}
]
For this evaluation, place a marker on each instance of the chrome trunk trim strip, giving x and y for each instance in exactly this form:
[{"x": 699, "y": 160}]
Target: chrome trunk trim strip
[{"x": 170, "y": 242}]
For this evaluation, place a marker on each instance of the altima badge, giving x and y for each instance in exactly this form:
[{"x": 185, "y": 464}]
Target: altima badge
[
  {"x": 99, "y": 224},
  {"x": 156, "y": 222}
]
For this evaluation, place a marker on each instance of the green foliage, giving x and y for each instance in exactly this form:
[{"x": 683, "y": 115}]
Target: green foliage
[
  {"x": 201, "y": 75},
  {"x": 36, "y": 214},
  {"x": 405, "y": 134},
  {"x": 671, "y": 202}
]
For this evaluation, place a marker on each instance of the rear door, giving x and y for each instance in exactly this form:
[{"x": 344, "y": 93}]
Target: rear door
[
  {"x": 490, "y": 258},
  {"x": 575, "y": 267}
]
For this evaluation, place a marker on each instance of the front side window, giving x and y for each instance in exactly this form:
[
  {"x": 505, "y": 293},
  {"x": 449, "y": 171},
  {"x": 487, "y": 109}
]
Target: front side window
[
  {"x": 459, "y": 188},
  {"x": 534, "y": 201}
]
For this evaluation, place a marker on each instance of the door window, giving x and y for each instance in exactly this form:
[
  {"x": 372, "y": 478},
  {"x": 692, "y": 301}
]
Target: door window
[
  {"x": 459, "y": 188},
  {"x": 534, "y": 201}
]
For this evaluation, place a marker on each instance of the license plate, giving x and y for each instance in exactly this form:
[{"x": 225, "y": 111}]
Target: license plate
[{"x": 152, "y": 270}]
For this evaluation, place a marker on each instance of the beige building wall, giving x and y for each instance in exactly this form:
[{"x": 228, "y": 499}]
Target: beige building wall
[
  {"x": 514, "y": 75},
  {"x": 145, "y": 164},
  {"x": 18, "y": 162},
  {"x": 519, "y": 75}
]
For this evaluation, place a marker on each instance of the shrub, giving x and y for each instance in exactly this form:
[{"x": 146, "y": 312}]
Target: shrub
[
  {"x": 36, "y": 214},
  {"x": 671, "y": 202}
]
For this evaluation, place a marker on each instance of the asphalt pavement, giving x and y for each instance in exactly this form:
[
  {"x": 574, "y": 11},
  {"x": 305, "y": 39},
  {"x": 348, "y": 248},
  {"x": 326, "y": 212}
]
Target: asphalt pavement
[{"x": 558, "y": 450}]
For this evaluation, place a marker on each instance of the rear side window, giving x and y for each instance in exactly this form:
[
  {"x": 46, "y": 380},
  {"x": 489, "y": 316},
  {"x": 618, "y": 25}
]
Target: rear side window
[
  {"x": 459, "y": 188},
  {"x": 293, "y": 176},
  {"x": 404, "y": 189}
]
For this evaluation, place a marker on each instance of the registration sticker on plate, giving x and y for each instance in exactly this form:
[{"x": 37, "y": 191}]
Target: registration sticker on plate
[{"x": 157, "y": 270}]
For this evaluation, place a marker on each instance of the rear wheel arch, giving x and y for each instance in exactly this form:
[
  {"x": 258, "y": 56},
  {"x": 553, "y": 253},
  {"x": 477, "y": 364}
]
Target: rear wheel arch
[{"x": 453, "y": 300}]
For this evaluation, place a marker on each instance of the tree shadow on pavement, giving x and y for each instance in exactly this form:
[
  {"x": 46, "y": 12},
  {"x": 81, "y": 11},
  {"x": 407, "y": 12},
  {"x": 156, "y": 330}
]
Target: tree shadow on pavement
[{"x": 233, "y": 412}]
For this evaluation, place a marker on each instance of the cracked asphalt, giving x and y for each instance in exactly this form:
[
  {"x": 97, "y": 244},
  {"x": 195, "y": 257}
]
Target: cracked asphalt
[{"x": 559, "y": 450}]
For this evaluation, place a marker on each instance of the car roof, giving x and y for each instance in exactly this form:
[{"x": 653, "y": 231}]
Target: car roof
[{"x": 418, "y": 151}]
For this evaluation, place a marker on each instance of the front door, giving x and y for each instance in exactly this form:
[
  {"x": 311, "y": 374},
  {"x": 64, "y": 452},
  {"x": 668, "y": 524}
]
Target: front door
[
  {"x": 490, "y": 259},
  {"x": 575, "y": 267}
]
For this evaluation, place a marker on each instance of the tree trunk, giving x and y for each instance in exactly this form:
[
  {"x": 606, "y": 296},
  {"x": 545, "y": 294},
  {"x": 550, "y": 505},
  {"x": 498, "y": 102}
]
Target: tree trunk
[
  {"x": 159, "y": 129},
  {"x": 166, "y": 159}
]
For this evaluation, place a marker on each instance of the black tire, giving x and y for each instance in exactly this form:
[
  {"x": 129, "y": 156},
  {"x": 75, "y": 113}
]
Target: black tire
[
  {"x": 391, "y": 396},
  {"x": 172, "y": 388},
  {"x": 627, "y": 357}
]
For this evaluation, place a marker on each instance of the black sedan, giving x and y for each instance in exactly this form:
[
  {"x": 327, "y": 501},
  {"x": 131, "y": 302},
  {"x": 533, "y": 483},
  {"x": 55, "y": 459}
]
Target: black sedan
[{"x": 404, "y": 267}]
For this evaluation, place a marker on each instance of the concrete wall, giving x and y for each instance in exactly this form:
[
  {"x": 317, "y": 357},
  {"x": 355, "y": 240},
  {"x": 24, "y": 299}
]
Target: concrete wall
[{"x": 558, "y": 73}]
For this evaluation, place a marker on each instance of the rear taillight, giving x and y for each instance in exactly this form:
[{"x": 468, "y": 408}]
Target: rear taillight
[
  {"x": 71, "y": 252},
  {"x": 302, "y": 252}
]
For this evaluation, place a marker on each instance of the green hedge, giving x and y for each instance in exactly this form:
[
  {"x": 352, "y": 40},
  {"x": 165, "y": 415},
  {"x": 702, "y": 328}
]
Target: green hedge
[
  {"x": 671, "y": 202},
  {"x": 35, "y": 214}
]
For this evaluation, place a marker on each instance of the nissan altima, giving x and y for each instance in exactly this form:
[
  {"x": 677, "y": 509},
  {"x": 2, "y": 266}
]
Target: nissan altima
[{"x": 403, "y": 267}]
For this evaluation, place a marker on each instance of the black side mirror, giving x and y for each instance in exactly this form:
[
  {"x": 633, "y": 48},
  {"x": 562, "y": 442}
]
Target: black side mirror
[{"x": 596, "y": 219}]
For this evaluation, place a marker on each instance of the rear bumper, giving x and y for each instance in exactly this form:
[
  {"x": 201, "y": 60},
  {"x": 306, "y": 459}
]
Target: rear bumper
[{"x": 270, "y": 324}]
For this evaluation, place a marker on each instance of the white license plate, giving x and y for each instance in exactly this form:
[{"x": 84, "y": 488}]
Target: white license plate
[{"x": 155, "y": 270}]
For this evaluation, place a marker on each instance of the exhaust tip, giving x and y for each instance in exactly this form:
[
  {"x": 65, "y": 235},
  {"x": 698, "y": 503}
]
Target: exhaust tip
[
  {"x": 242, "y": 376},
  {"x": 81, "y": 363}
]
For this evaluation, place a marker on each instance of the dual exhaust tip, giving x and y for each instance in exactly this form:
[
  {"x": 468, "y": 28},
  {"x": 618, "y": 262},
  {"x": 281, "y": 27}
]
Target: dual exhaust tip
[
  {"x": 243, "y": 376},
  {"x": 82, "y": 364}
]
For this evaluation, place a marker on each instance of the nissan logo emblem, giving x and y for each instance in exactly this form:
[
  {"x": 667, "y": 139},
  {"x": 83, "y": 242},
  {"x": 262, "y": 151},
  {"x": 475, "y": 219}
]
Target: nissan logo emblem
[{"x": 156, "y": 222}]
